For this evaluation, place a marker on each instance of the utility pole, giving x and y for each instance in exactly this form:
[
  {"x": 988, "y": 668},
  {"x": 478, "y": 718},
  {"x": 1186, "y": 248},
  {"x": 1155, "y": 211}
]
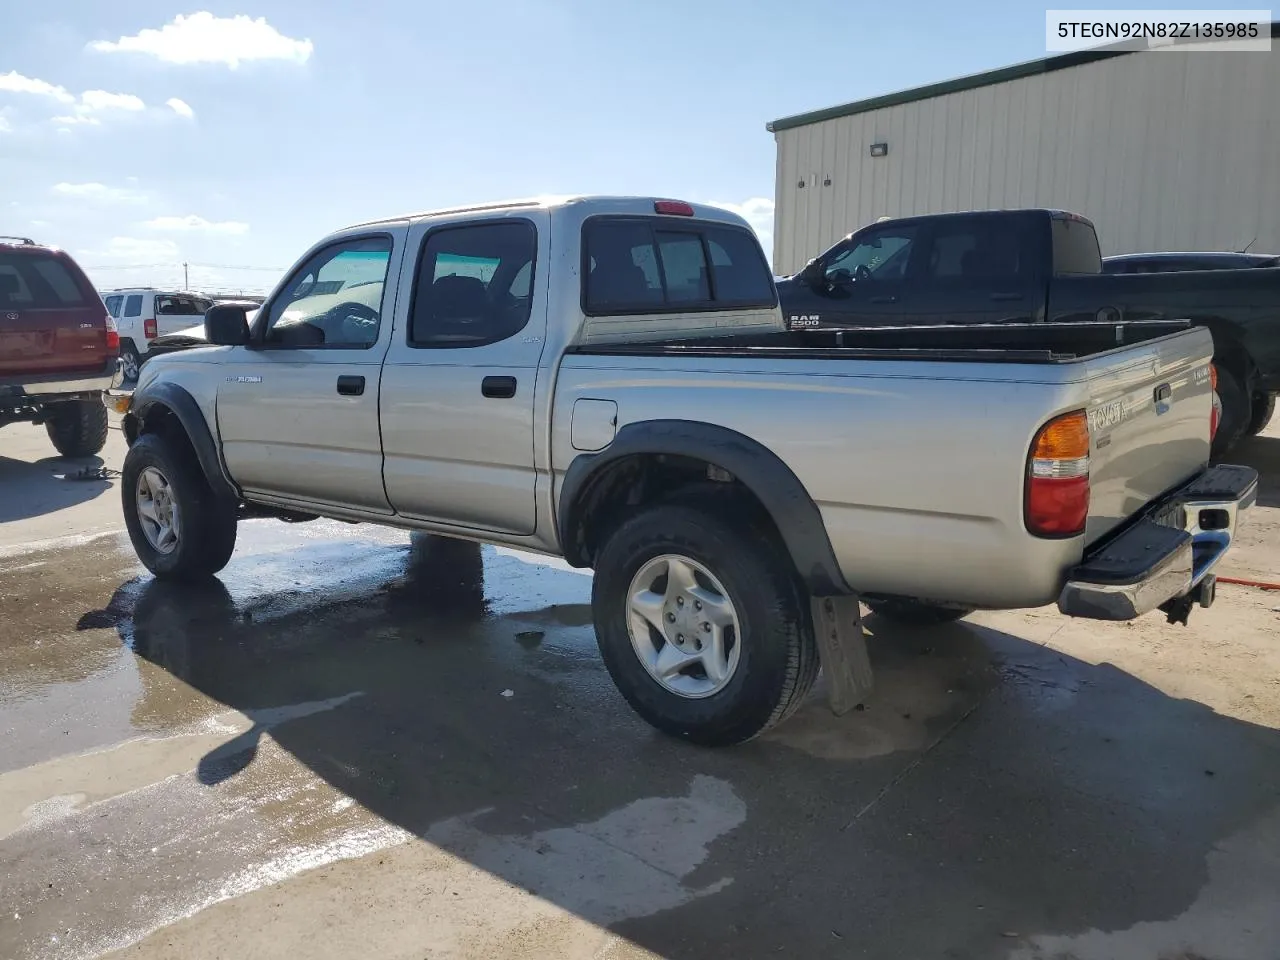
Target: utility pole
[{"x": 186, "y": 281}]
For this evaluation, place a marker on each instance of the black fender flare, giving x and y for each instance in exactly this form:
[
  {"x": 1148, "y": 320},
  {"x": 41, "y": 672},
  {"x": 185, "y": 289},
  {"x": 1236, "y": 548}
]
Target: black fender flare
[
  {"x": 757, "y": 467},
  {"x": 189, "y": 414}
]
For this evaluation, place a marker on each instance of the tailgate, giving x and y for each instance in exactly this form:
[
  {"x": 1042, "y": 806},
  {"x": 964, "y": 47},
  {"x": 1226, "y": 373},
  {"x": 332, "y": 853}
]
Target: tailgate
[
  {"x": 51, "y": 319},
  {"x": 1149, "y": 416}
]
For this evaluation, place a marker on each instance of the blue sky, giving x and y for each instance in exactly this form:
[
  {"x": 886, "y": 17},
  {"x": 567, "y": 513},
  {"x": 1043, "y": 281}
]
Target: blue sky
[{"x": 239, "y": 134}]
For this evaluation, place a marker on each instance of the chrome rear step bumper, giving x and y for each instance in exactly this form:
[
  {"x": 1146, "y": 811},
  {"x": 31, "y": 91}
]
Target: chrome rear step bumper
[{"x": 1165, "y": 559}]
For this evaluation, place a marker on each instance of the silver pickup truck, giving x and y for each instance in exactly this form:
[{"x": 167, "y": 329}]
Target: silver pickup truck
[{"x": 610, "y": 380}]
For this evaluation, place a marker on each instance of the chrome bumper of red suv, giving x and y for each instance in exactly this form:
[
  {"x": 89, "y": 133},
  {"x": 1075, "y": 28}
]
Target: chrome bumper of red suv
[
  {"x": 58, "y": 383},
  {"x": 1166, "y": 558}
]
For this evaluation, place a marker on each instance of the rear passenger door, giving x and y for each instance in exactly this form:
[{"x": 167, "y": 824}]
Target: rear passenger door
[
  {"x": 458, "y": 385},
  {"x": 977, "y": 269}
]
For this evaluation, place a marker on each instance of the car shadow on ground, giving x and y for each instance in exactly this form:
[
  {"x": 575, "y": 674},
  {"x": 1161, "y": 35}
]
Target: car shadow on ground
[
  {"x": 992, "y": 789},
  {"x": 33, "y": 489},
  {"x": 1263, "y": 454}
]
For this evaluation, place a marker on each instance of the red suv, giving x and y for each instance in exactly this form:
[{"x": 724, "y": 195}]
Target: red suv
[{"x": 58, "y": 347}]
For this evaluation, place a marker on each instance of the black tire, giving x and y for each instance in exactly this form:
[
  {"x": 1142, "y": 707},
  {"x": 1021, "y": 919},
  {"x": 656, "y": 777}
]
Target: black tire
[
  {"x": 777, "y": 657},
  {"x": 78, "y": 428},
  {"x": 915, "y": 613},
  {"x": 129, "y": 361},
  {"x": 206, "y": 523},
  {"x": 1237, "y": 411},
  {"x": 1264, "y": 405}
]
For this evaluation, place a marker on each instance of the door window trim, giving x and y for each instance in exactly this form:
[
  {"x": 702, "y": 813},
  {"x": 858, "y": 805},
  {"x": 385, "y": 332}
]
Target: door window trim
[
  {"x": 258, "y": 329},
  {"x": 417, "y": 267}
]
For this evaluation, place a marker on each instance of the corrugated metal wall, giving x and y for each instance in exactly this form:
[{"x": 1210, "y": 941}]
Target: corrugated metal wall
[{"x": 1162, "y": 150}]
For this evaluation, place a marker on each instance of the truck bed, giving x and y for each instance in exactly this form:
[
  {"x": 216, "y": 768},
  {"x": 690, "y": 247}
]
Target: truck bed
[
  {"x": 913, "y": 442},
  {"x": 988, "y": 343}
]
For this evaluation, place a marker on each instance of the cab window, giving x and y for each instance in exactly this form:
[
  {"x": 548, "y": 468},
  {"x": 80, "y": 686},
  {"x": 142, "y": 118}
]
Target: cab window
[
  {"x": 335, "y": 299},
  {"x": 474, "y": 284},
  {"x": 877, "y": 255}
]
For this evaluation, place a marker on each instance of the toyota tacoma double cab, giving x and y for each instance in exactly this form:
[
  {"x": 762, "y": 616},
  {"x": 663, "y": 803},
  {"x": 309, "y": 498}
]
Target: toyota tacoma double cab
[
  {"x": 1035, "y": 266},
  {"x": 58, "y": 347},
  {"x": 610, "y": 380}
]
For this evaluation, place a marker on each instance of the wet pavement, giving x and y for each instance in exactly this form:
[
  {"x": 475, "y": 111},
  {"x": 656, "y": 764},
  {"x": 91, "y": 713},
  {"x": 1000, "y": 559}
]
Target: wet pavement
[{"x": 362, "y": 744}]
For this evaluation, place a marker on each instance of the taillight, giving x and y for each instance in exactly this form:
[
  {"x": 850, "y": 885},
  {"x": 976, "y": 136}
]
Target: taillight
[
  {"x": 1058, "y": 477},
  {"x": 113, "y": 335},
  {"x": 1215, "y": 405},
  {"x": 149, "y": 328}
]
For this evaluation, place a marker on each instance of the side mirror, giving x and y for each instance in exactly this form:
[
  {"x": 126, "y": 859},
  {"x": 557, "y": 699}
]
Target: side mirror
[{"x": 227, "y": 325}]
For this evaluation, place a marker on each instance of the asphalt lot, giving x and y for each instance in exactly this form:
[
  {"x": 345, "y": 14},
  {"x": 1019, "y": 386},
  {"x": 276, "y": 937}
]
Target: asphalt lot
[{"x": 365, "y": 746}]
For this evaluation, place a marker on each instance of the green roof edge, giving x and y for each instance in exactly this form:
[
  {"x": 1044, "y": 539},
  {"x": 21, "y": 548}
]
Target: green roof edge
[{"x": 973, "y": 81}]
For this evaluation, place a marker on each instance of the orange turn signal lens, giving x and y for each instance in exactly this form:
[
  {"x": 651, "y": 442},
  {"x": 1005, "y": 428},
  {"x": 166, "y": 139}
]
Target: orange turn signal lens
[{"x": 1064, "y": 438}]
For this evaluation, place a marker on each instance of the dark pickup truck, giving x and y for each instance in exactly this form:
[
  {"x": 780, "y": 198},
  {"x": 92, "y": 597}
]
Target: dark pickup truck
[{"x": 1032, "y": 266}]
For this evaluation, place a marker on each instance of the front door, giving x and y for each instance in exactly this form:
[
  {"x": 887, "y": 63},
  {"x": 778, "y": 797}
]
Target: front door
[
  {"x": 458, "y": 385},
  {"x": 298, "y": 407},
  {"x": 864, "y": 283}
]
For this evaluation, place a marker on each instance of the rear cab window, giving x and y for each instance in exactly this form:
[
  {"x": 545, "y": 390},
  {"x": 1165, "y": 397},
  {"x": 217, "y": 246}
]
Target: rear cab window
[
  {"x": 37, "y": 281},
  {"x": 1075, "y": 247},
  {"x": 643, "y": 265},
  {"x": 113, "y": 305},
  {"x": 133, "y": 305}
]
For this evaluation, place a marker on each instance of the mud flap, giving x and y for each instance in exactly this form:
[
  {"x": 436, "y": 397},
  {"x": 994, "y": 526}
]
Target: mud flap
[{"x": 842, "y": 647}]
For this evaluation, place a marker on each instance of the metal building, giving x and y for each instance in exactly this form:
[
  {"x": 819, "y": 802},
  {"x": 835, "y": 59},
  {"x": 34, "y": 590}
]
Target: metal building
[{"x": 1163, "y": 150}]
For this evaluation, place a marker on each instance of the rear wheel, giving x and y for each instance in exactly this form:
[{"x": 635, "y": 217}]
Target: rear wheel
[
  {"x": 915, "y": 613},
  {"x": 130, "y": 361},
  {"x": 179, "y": 528},
  {"x": 1264, "y": 405},
  {"x": 1237, "y": 411},
  {"x": 702, "y": 625},
  {"x": 78, "y": 428}
]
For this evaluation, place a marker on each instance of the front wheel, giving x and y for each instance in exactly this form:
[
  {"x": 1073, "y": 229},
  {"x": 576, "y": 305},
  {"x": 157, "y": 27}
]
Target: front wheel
[
  {"x": 702, "y": 626},
  {"x": 179, "y": 528}
]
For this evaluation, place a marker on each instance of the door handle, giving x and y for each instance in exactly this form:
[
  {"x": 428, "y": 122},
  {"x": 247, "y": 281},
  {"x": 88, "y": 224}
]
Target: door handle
[
  {"x": 888, "y": 298},
  {"x": 498, "y": 388},
  {"x": 350, "y": 385},
  {"x": 1006, "y": 296}
]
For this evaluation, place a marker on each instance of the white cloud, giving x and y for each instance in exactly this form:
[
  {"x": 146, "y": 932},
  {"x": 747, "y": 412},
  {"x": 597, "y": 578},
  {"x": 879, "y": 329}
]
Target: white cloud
[
  {"x": 757, "y": 211},
  {"x": 68, "y": 120},
  {"x": 191, "y": 223},
  {"x": 203, "y": 38},
  {"x": 98, "y": 192},
  {"x": 180, "y": 107},
  {"x": 5, "y": 126},
  {"x": 97, "y": 100},
  {"x": 14, "y": 82},
  {"x": 137, "y": 249}
]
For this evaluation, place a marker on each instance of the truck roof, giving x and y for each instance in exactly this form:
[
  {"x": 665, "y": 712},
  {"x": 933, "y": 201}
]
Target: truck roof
[{"x": 593, "y": 203}]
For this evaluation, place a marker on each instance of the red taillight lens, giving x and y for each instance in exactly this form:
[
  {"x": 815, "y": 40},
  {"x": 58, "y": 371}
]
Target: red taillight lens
[
  {"x": 1057, "y": 502},
  {"x": 673, "y": 208},
  {"x": 113, "y": 335},
  {"x": 149, "y": 328},
  {"x": 1215, "y": 405}
]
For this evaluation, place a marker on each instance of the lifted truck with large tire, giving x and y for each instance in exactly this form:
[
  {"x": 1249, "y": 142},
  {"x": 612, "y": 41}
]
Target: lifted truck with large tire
[
  {"x": 1045, "y": 266},
  {"x": 58, "y": 347},
  {"x": 610, "y": 380}
]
